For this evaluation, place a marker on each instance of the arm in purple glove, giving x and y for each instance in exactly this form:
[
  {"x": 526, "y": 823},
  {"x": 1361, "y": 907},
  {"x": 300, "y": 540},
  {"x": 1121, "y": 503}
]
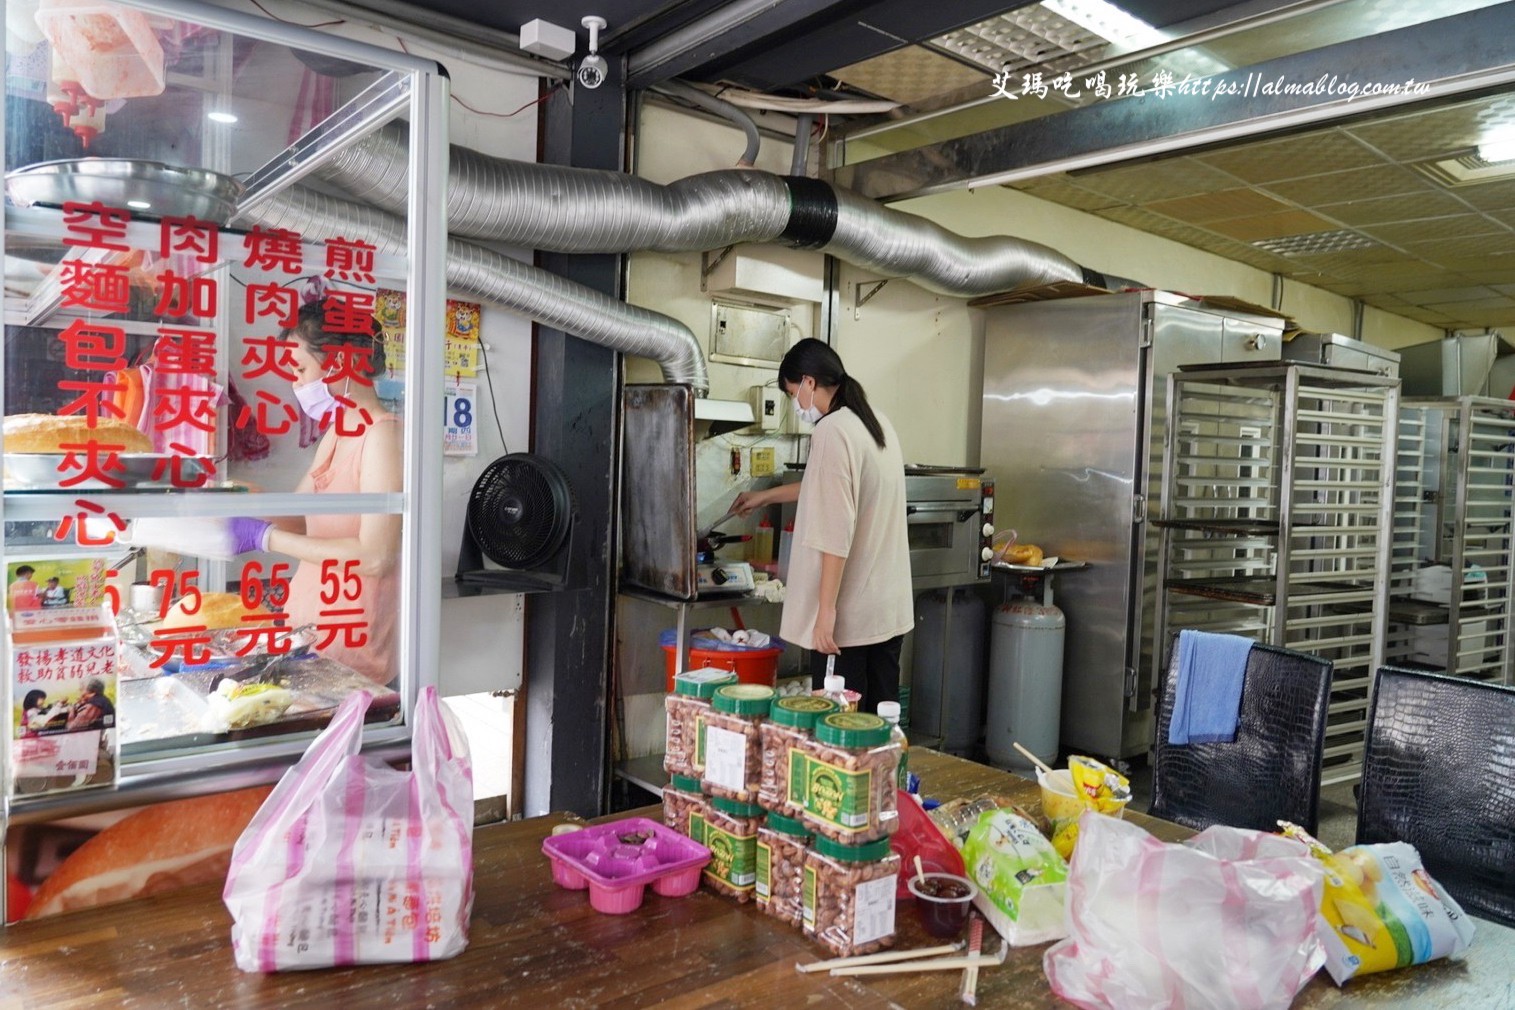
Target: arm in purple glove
[{"x": 249, "y": 534}]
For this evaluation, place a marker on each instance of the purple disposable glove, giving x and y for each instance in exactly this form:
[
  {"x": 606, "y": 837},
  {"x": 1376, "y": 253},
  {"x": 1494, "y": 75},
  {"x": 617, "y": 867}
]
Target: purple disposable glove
[{"x": 249, "y": 534}]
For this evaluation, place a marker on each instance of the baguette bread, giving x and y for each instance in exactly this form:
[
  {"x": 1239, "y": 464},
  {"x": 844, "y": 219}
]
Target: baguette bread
[
  {"x": 155, "y": 849},
  {"x": 216, "y": 611},
  {"x": 47, "y": 433}
]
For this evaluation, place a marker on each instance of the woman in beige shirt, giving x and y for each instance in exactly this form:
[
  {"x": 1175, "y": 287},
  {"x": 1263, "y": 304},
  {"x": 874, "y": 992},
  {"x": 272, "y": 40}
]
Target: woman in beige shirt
[{"x": 848, "y": 593}]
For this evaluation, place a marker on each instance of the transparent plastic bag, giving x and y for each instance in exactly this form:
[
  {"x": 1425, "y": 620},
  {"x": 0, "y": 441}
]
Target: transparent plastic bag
[
  {"x": 350, "y": 861},
  {"x": 1225, "y": 921}
]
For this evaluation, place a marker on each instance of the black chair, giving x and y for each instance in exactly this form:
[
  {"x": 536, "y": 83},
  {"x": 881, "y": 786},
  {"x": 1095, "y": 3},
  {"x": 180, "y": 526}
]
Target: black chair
[
  {"x": 1439, "y": 772},
  {"x": 1271, "y": 772}
]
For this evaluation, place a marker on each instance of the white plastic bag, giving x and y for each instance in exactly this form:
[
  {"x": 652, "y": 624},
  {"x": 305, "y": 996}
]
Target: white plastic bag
[
  {"x": 349, "y": 861},
  {"x": 1226, "y": 920}
]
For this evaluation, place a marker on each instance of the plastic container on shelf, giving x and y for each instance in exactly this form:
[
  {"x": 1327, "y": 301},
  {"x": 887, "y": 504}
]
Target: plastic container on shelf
[
  {"x": 786, "y": 545},
  {"x": 733, "y": 750},
  {"x": 687, "y": 706},
  {"x": 729, "y": 830},
  {"x": 681, "y": 799},
  {"x": 790, "y": 726},
  {"x": 849, "y": 895},
  {"x": 782, "y": 845},
  {"x": 111, "y": 47},
  {"x": 760, "y": 550},
  {"x": 618, "y": 860},
  {"x": 842, "y": 786},
  {"x": 751, "y": 664}
]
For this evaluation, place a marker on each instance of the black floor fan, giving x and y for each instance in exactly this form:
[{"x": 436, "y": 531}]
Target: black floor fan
[{"x": 518, "y": 532}]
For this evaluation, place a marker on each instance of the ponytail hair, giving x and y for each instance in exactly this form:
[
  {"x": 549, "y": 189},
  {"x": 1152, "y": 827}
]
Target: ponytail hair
[{"x": 816, "y": 359}]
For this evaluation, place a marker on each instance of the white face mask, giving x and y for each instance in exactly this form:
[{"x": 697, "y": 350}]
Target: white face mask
[
  {"x": 810, "y": 414},
  {"x": 316, "y": 400}
]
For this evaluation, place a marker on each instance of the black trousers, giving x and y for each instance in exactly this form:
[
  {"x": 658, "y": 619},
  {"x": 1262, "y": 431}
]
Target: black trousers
[{"x": 871, "y": 670}]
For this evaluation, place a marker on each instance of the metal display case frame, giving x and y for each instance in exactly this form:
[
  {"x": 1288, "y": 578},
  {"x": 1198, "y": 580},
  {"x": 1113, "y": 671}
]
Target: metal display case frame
[
  {"x": 1276, "y": 518},
  {"x": 405, "y": 86}
]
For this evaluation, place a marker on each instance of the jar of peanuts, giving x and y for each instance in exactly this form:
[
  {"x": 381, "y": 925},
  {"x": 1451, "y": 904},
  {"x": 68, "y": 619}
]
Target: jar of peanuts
[
  {"x": 842, "y": 784},
  {"x": 790, "y": 726},
  {"x": 848, "y": 898},
  {"x": 682, "y": 797},
  {"x": 729, "y": 830},
  {"x": 687, "y": 707},
  {"x": 733, "y": 741},
  {"x": 782, "y": 844}
]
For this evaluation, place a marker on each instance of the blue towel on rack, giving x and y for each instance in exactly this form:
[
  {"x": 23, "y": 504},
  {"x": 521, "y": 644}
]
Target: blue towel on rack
[{"x": 1207, "y": 701}]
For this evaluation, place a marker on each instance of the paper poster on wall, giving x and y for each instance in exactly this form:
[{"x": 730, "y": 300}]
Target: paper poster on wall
[
  {"x": 459, "y": 430},
  {"x": 460, "y": 358},
  {"x": 63, "y": 696}
]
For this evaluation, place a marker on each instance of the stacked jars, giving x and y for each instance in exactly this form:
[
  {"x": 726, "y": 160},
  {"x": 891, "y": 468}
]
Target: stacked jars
[
  {"x": 849, "y": 895},
  {"x": 682, "y": 799},
  {"x": 782, "y": 845},
  {"x": 788, "y": 731},
  {"x": 843, "y": 784},
  {"x": 730, "y": 831},
  {"x": 733, "y": 751},
  {"x": 687, "y": 708}
]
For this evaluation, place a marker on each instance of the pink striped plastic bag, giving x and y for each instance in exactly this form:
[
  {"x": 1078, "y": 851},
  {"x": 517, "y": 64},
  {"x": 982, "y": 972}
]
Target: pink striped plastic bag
[
  {"x": 1225, "y": 921},
  {"x": 349, "y": 861}
]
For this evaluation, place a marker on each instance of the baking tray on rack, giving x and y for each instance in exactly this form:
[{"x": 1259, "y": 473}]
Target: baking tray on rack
[
  {"x": 153, "y": 188},
  {"x": 1233, "y": 527},
  {"x": 1259, "y": 590}
]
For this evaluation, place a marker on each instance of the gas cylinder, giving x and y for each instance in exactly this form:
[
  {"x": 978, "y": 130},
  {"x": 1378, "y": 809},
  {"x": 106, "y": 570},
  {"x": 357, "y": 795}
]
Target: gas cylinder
[{"x": 1025, "y": 682}]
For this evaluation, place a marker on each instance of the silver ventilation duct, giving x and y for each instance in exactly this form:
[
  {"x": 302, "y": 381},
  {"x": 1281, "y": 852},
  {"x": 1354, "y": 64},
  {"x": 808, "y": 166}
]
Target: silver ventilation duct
[
  {"x": 578, "y": 210},
  {"x": 484, "y": 273}
]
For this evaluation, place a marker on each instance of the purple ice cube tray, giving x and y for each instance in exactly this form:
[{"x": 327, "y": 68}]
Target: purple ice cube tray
[{"x": 617, "y": 861}]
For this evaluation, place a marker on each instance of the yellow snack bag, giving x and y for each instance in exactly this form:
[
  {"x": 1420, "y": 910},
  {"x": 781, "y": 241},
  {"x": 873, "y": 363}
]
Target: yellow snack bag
[
  {"x": 1101, "y": 787},
  {"x": 1382, "y": 908}
]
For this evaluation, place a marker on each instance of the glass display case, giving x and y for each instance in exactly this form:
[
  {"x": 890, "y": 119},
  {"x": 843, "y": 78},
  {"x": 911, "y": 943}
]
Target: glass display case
[{"x": 219, "y": 430}]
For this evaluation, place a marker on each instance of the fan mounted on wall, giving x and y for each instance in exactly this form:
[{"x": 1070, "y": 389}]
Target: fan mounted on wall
[{"x": 518, "y": 530}]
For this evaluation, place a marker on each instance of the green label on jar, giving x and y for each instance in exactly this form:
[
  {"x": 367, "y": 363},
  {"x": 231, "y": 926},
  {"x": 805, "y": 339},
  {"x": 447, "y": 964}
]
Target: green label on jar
[
  {"x": 807, "y": 900},
  {"x": 764, "y": 885},
  {"x": 902, "y": 777},
  {"x": 829, "y": 793},
  {"x": 733, "y": 858},
  {"x": 699, "y": 743},
  {"x": 697, "y": 827}
]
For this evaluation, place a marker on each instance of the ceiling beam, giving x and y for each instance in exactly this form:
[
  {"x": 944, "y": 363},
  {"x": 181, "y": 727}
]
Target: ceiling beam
[
  {"x": 1457, "y": 55},
  {"x": 731, "y": 27}
]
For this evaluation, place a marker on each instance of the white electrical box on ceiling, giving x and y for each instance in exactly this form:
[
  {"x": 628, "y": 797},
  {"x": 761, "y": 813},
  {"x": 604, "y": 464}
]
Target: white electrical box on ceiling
[
  {"x": 766, "y": 273},
  {"x": 545, "y": 39}
]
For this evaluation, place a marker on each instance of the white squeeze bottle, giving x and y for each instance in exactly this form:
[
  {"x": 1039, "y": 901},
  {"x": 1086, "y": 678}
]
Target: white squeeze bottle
[{"x": 889, "y": 711}]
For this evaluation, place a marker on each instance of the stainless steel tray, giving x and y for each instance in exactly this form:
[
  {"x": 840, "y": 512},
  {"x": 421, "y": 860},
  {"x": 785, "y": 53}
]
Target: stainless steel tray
[
  {"x": 148, "y": 187},
  {"x": 42, "y": 471}
]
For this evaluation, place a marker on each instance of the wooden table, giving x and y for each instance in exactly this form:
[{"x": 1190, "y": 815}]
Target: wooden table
[{"x": 536, "y": 945}]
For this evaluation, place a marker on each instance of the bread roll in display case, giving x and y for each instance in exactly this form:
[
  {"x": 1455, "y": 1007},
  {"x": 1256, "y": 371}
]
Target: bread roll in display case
[{"x": 167, "y": 269}]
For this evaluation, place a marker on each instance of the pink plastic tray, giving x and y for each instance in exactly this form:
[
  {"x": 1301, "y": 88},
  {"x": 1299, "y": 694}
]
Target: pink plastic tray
[{"x": 617, "y": 861}]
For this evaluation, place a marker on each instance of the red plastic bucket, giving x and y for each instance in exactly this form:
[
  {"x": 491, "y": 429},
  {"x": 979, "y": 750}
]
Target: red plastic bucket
[{"x": 751, "y": 666}]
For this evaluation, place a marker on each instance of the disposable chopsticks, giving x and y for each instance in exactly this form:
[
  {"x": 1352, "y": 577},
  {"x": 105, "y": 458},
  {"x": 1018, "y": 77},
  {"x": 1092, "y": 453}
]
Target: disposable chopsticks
[{"x": 881, "y": 958}]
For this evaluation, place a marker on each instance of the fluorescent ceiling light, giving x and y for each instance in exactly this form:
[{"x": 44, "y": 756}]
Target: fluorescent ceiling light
[
  {"x": 1108, "y": 22},
  {"x": 139, "y": 205},
  {"x": 221, "y": 117},
  {"x": 1499, "y": 145}
]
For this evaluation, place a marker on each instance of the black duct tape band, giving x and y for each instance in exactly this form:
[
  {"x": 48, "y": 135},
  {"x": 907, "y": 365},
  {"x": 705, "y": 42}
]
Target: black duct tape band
[
  {"x": 812, "y": 213},
  {"x": 1094, "y": 278}
]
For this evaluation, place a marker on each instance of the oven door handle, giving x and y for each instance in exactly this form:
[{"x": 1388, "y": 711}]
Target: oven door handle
[{"x": 962, "y": 514}]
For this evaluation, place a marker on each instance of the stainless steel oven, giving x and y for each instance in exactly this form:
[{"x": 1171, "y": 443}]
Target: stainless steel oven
[{"x": 949, "y": 514}]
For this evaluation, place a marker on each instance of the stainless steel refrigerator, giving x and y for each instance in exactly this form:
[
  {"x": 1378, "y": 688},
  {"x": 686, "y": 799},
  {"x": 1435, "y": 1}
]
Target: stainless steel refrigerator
[{"x": 1072, "y": 428}]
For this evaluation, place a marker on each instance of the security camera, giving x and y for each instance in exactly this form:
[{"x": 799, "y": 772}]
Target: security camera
[{"x": 593, "y": 70}]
